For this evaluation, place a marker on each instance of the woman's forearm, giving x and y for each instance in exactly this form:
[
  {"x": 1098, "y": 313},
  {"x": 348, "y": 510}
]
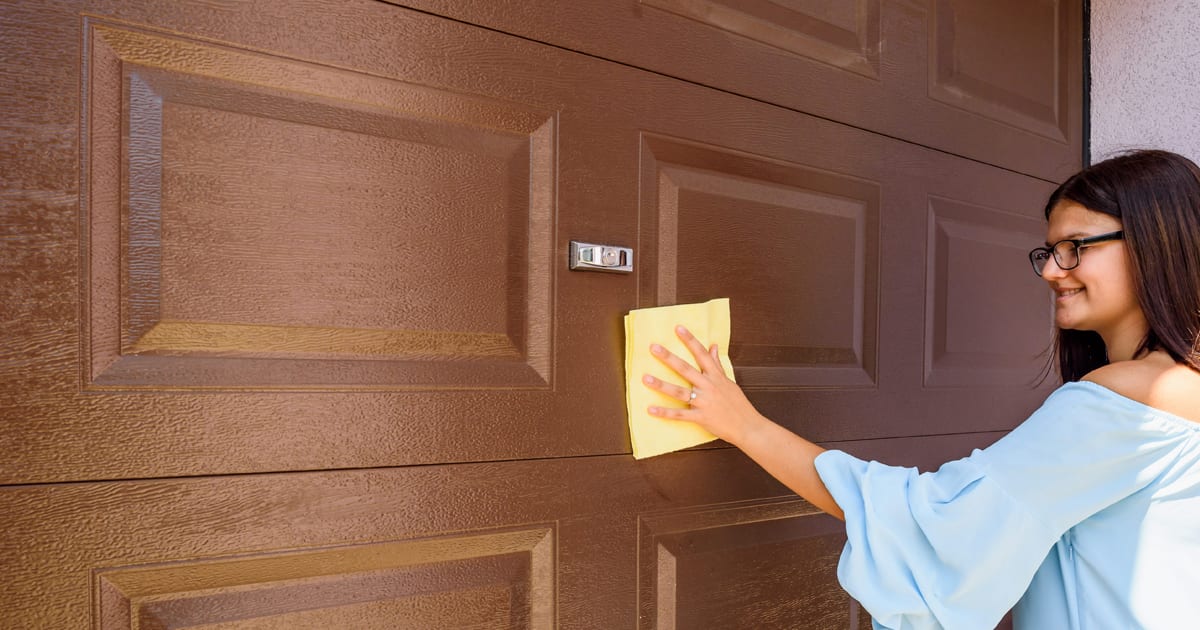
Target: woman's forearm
[{"x": 788, "y": 458}]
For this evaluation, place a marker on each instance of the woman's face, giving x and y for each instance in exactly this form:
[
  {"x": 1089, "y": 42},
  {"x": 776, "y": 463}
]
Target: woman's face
[{"x": 1099, "y": 293}]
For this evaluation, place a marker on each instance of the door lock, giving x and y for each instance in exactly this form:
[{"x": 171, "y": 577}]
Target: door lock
[{"x": 593, "y": 257}]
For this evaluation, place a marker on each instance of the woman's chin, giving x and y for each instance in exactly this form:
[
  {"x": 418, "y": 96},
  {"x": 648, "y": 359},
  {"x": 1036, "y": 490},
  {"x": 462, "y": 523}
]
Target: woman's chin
[{"x": 1068, "y": 323}]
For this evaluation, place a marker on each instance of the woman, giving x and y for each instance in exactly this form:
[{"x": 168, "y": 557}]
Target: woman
[{"x": 1089, "y": 512}]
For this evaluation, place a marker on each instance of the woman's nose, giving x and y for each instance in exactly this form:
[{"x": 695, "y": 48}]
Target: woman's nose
[{"x": 1052, "y": 271}]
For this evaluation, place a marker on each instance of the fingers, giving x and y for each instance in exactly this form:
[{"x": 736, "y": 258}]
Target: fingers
[
  {"x": 681, "y": 367},
  {"x": 675, "y": 414},
  {"x": 682, "y": 394},
  {"x": 708, "y": 363},
  {"x": 716, "y": 355}
]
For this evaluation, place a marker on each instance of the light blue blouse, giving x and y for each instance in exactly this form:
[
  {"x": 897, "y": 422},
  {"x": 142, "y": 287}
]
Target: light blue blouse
[{"x": 1088, "y": 514}]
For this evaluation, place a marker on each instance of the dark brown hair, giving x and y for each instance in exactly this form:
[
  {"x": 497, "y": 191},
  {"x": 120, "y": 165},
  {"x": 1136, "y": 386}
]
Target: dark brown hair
[{"x": 1156, "y": 195}]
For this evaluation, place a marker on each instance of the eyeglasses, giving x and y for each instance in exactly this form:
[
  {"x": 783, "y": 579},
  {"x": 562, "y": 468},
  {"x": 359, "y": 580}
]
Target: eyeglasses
[{"x": 1066, "y": 252}]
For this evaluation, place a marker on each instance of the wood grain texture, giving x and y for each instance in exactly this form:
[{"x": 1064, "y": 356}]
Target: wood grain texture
[
  {"x": 1008, "y": 91},
  {"x": 206, "y": 399},
  {"x": 720, "y": 567},
  {"x": 271, "y": 208},
  {"x": 421, "y": 544},
  {"x": 505, "y": 577},
  {"x": 324, "y": 243}
]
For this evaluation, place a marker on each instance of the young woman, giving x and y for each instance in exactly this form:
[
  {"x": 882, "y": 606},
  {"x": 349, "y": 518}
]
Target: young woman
[{"x": 1085, "y": 516}]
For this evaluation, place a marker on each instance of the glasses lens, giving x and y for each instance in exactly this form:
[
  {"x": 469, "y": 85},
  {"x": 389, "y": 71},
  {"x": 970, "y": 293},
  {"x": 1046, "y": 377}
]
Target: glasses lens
[
  {"x": 1039, "y": 258},
  {"x": 1066, "y": 255}
]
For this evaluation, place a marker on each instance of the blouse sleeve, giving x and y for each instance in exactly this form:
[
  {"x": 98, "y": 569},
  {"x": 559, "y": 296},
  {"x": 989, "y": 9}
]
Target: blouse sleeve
[{"x": 957, "y": 548}]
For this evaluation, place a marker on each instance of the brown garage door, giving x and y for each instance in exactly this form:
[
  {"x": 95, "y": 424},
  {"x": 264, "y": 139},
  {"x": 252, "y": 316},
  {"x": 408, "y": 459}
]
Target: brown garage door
[{"x": 291, "y": 339}]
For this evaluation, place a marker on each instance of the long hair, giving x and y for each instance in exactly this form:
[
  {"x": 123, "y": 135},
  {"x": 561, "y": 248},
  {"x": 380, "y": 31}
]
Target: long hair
[{"x": 1156, "y": 196}]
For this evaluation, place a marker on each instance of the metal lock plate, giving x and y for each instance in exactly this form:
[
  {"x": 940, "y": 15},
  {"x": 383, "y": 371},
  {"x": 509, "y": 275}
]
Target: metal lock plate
[{"x": 594, "y": 257}]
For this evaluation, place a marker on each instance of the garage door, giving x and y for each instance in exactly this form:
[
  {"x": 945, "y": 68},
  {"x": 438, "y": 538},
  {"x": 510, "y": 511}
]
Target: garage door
[{"x": 291, "y": 339}]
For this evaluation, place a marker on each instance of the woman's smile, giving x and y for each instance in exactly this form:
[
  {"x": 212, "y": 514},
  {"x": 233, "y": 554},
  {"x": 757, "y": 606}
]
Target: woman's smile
[{"x": 1063, "y": 295}]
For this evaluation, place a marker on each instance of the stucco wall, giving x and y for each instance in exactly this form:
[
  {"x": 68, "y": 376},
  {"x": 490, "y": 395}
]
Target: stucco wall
[{"x": 1145, "y": 76}]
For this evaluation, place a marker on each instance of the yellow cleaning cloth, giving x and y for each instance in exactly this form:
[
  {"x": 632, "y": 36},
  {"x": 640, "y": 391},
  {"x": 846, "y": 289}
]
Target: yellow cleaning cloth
[{"x": 709, "y": 322}]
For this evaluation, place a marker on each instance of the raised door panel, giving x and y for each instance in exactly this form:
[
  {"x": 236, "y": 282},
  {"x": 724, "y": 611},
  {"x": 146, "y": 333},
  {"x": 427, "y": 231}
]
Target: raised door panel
[
  {"x": 757, "y": 564},
  {"x": 597, "y": 542},
  {"x": 271, "y": 246},
  {"x": 1009, "y": 62},
  {"x": 770, "y": 235},
  {"x": 997, "y": 82},
  {"x": 287, "y": 249},
  {"x": 970, "y": 286},
  {"x": 877, "y": 289},
  {"x": 493, "y": 579},
  {"x": 263, "y": 222}
]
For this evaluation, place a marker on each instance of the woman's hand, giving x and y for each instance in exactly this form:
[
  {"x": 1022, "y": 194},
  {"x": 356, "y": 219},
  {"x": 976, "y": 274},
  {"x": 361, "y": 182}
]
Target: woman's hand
[
  {"x": 715, "y": 402},
  {"x": 718, "y": 404}
]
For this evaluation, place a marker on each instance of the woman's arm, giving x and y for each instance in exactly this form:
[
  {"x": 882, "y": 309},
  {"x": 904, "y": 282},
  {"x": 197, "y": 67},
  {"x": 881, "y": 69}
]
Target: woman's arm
[{"x": 720, "y": 407}]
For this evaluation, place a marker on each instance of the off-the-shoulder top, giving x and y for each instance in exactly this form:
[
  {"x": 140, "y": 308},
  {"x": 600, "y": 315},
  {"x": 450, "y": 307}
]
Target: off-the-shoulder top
[{"x": 1085, "y": 516}]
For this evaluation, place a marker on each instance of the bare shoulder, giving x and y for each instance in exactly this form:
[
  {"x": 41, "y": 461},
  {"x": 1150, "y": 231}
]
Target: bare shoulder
[{"x": 1156, "y": 381}]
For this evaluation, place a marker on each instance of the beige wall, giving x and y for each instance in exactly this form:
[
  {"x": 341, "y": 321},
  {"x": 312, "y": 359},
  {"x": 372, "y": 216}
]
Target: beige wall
[{"x": 1145, "y": 76}]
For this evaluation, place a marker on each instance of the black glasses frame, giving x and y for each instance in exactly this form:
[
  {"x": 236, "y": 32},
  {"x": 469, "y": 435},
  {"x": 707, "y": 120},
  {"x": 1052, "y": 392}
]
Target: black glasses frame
[{"x": 1078, "y": 243}]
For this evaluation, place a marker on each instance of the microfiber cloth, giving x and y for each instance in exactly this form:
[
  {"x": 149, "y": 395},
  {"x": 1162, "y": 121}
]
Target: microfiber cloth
[{"x": 709, "y": 322}]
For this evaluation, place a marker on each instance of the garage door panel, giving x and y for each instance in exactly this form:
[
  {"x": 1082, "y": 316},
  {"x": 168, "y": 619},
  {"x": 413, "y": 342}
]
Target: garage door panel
[
  {"x": 571, "y": 542},
  {"x": 283, "y": 245},
  {"x": 996, "y": 83},
  {"x": 528, "y": 544},
  {"x": 295, "y": 258}
]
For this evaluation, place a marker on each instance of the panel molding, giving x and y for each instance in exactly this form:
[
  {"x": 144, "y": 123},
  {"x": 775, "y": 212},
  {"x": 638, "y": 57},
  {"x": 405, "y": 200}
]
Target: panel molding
[
  {"x": 954, "y": 85},
  {"x": 855, "y": 49},
  {"x": 1008, "y": 362},
  {"x": 133, "y": 75},
  {"x": 447, "y": 575},
  {"x": 667, "y": 540},
  {"x": 674, "y": 170},
  {"x": 261, "y": 341}
]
